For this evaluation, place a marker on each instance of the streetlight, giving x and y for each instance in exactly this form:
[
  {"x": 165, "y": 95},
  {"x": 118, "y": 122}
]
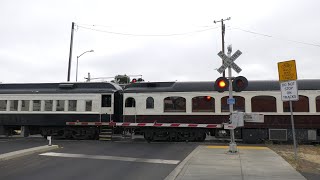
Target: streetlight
[{"x": 77, "y": 62}]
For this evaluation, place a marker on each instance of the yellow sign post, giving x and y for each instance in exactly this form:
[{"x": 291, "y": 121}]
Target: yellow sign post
[
  {"x": 287, "y": 70},
  {"x": 287, "y": 77}
]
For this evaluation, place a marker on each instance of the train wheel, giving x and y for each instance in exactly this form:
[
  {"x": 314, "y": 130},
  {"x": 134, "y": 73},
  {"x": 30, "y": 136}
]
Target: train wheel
[
  {"x": 149, "y": 136},
  {"x": 203, "y": 137}
]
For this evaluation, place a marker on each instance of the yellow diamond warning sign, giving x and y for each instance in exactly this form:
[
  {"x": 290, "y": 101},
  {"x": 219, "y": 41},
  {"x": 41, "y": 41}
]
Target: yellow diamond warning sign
[{"x": 287, "y": 70}]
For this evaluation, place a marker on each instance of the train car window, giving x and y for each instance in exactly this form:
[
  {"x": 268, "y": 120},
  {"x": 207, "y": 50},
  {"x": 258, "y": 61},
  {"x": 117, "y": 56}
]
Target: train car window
[
  {"x": 150, "y": 103},
  {"x": 25, "y": 105},
  {"x": 318, "y": 104},
  {"x": 88, "y": 105},
  {"x": 302, "y": 105},
  {"x": 263, "y": 104},
  {"x": 72, "y": 105},
  {"x": 174, "y": 104},
  {"x": 3, "y": 105},
  {"x": 48, "y": 105},
  {"x": 130, "y": 102},
  {"x": 36, "y": 105},
  {"x": 203, "y": 104},
  {"x": 106, "y": 101},
  {"x": 13, "y": 105},
  {"x": 238, "y": 106},
  {"x": 60, "y": 105}
]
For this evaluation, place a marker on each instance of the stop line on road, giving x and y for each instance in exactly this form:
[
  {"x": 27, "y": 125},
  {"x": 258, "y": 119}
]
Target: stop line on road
[{"x": 116, "y": 158}]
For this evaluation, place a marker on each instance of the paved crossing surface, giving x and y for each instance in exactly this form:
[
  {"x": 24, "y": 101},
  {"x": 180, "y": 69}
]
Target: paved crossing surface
[
  {"x": 137, "y": 159},
  {"x": 99, "y": 160}
]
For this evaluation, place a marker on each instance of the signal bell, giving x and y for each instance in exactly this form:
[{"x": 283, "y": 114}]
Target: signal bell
[{"x": 221, "y": 84}]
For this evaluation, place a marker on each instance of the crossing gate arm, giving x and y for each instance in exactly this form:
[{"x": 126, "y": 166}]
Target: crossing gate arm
[{"x": 128, "y": 124}]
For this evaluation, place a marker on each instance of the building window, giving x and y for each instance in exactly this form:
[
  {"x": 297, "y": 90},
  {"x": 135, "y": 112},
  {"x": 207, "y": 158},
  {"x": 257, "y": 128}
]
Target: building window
[
  {"x": 106, "y": 101},
  {"x": 36, "y": 105},
  {"x": 88, "y": 105},
  {"x": 238, "y": 106},
  {"x": 263, "y": 104},
  {"x": 3, "y": 105},
  {"x": 13, "y": 105},
  {"x": 302, "y": 105},
  {"x": 48, "y": 105},
  {"x": 149, "y": 103},
  {"x": 174, "y": 104},
  {"x": 72, "y": 105},
  {"x": 25, "y": 105},
  {"x": 203, "y": 104},
  {"x": 318, "y": 104},
  {"x": 60, "y": 105},
  {"x": 130, "y": 102}
]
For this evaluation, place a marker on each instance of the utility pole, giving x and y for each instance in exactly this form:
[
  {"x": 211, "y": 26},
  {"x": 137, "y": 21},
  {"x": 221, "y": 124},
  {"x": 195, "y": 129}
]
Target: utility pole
[
  {"x": 223, "y": 33},
  {"x": 70, "y": 52},
  {"x": 89, "y": 77}
]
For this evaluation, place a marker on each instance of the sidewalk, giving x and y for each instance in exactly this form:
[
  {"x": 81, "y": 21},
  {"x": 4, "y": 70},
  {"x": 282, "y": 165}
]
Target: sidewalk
[
  {"x": 17, "y": 147},
  {"x": 251, "y": 163}
]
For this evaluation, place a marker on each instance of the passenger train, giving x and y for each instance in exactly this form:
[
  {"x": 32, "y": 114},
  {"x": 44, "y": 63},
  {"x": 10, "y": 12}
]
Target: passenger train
[{"x": 47, "y": 107}]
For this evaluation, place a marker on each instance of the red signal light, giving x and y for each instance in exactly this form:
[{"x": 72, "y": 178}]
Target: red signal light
[
  {"x": 134, "y": 81},
  {"x": 221, "y": 84},
  {"x": 239, "y": 83}
]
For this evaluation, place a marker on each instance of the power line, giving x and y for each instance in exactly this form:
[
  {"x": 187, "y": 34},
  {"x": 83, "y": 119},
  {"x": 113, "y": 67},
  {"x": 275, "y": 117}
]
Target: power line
[
  {"x": 112, "y": 26},
  {"x": 269, "y": 36},
  {"x": 150, "y": 35},
  {"x": 185, "y": 33}
]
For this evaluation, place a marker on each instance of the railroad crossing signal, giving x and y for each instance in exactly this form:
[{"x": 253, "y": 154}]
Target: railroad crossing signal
[
  {"x": 238, "y": 84},
  {"x": 229, "y": 61},
  {"x": 221, "y": 84}
]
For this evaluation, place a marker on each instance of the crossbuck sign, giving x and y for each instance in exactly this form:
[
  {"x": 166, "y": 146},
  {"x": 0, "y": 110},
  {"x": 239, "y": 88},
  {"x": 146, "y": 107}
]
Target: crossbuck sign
[{"x": 229, "y": 61}]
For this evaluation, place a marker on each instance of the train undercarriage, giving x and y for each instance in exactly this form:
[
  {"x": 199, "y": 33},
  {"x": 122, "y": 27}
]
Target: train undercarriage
[
  {"x": 149, "y": 134},
  {"x": 170, "y": 134}
]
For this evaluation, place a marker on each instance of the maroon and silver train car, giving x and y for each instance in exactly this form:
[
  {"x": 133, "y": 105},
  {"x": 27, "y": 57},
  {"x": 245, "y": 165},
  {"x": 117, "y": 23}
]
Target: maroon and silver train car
[
  {"x": 46, "y": 107},
  {"x": 183, "y": 108},
  {"x": 200, "y": 103}
]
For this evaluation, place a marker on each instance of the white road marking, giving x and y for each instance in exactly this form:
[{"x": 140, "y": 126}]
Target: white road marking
[{"x": 118, "y": 158}]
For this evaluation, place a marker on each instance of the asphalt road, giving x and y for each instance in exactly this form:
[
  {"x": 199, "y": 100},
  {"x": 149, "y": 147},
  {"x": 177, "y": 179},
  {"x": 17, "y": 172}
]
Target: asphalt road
[
  {"x": 15, "y": 144},
  {"x": 99, "y": 160}
]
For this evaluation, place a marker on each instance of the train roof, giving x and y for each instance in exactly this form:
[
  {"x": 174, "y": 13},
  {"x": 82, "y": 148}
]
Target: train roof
[
  {"x": 257, "y": 85},
  {"x": 55, "y": 88}
]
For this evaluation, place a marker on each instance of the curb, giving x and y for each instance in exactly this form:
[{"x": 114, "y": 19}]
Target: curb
[
  {"x": 173, "y": 175},
  {"x": 24, "y": 152}
]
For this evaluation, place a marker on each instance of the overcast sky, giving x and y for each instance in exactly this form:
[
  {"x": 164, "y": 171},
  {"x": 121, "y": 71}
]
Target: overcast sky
[{"x": 169, "y": 40}]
